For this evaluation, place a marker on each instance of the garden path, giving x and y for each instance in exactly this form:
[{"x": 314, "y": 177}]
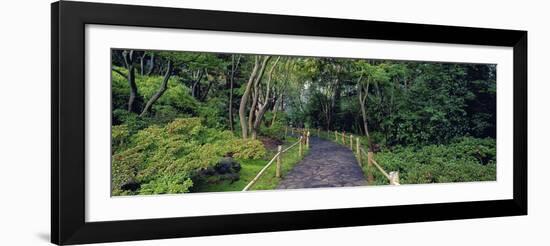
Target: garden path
[{"x": 327, "y": 164}]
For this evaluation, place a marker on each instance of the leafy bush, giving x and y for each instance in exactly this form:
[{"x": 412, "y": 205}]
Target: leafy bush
[
  {"x": 120, "y": 90},
  {"x": 275, "y": 131},
  {"x": 211, "y": 113},
  {"x": 247, "y": 149},
  {"x": 167, "y": 185},
  {"x": 133, "y": 122},
  {"x": 164, "y": 159},
  {"x": 120, "y": 136},
  {"x": 463, "y": 160}
]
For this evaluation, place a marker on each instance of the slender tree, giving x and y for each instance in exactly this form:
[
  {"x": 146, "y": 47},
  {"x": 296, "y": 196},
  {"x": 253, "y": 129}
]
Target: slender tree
[
  {"x": 363, "y": 94},
  {"x": 128, "y": 56},
  {"x": 142, "y": 63},
  {"x": 151, "y": 64},
  {"x": 263, "y": 105},
  {"x": 256, "y": 75},
  {"x": 197, "y": 78},
  {"x": 162, "y": 88},
  {"x": 234, "y": 67}
]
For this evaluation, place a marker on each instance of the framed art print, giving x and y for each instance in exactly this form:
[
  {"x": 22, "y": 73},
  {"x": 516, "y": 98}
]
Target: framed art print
[{"x": 174, "y": 122}]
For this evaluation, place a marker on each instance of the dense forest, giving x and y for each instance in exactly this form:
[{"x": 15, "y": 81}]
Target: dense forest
[{"x": 194, "y": 122}]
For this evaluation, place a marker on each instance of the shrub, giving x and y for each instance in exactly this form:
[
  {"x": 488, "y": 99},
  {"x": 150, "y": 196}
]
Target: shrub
[
  {"x": 275, "y": 131},
  {"x": 463, "y": 160},
  {"x": 165, "y": 159},
  {"x": 167, "y": 185},
  {"x": 131, "y": 120},
  {"x": 247, "y": 149},
  {"x": 212, "y": 113},
  {"x": 120, "y": 136}
]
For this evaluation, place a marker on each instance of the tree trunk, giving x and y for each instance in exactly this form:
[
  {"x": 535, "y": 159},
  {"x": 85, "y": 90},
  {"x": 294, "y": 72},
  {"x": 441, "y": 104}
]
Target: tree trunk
[
  {"x": 142, "y": 63},
  {"x": 257, "y": 122},
  {"x": 255, "y": 97},
  {"x": 275, "y": 109},
  {"x": 256, "y": 74},
  {"x": 251, "y": 113},
  {"x": 205, "y": 93},
  {"x": 160, "y": 91},
  {"x": 151, "y": 64},
  {"x": 129, "y": 62},
  {"x": 133, "y": 89},
  {"x": 196, "y": 87},
  {"x": 244, "y": 99},
  {"x": 362, "y": 102},
  {"x": 264, "y": 106},
  {"x": 234, "y": 66}
]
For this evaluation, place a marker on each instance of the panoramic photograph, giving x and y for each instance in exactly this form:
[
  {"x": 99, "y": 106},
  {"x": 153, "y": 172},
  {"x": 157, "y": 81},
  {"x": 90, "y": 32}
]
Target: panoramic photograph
[{"x": 193, "y": 122}]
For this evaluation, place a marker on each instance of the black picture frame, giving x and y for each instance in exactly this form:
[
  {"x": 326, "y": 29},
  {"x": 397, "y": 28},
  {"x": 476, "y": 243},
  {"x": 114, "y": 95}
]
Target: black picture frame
[{"x": 68, "y": 225}]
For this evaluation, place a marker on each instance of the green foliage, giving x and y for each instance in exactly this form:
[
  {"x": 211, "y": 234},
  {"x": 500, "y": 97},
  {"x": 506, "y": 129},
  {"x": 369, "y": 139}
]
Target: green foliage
[
  {"x": 133, "y": 122},
  {"x": 212, "y": 113},
  {"x": 274, "y": 131},
  {"x": 119, "y": 135},
  {"x": 408, "y": 102},
  {"x": 464, "y": 160},
  {"x": 247, "y": 149},
  {"x": 167, "y": 185},
  {"x": 164, "y": 159}
]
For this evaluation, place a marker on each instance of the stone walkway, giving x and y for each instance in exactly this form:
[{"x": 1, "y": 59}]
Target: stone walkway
[{"x": 327, "y": 165}]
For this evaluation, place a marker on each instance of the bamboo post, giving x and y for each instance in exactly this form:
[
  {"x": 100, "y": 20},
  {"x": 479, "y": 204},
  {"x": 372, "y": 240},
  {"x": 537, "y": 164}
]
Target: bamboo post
[
  {"x": 394, "y": 178},
  {"x": 286, "y": 131},
  {"x": 300, "y": 151},
  {"x": 318, "y": 132},
  {"x": 358, "y": 151},
  {"x": 369, "y": 158},
  {"x": 351, "y": 142},
  {"x": 335, "y": 135},
  {"x": 344, "y": 138},
  {"x": 279, "y": 153},
  {"x": 370, "y": 177},
  {"x": 307, "y": 140},
  {"x": 292, "y": 131}
]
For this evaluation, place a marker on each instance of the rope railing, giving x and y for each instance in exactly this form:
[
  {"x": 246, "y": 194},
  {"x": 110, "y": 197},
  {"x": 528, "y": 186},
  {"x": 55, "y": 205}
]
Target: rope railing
[
  {"x": 393, "y": 177},
  {"x": 277, "y": 157}
]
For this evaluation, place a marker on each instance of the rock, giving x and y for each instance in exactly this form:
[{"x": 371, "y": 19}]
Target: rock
[
  {"x": 223, "y": 168},
  {"x": 227, "y": 165},
  {"x": 232, "y": 177},
  {"x": 236, "y": 166},
  {"x": 209, "y": 171},
  {"x": 376, "y": 148},
  {"x": 130, "y": 185}
]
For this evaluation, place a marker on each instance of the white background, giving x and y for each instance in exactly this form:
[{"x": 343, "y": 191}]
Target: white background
[{"x": 25, "y": 128}]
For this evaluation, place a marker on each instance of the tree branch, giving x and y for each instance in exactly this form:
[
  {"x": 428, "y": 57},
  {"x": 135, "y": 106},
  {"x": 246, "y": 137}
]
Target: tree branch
[
  {"x": 161, "y": 90},
  {"x": 119, "y": 72}
]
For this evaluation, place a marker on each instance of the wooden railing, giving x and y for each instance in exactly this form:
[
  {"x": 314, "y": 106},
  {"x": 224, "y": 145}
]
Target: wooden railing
[
  {"x": 393, "y": 177},
  {"x": 304, "y": 140}
]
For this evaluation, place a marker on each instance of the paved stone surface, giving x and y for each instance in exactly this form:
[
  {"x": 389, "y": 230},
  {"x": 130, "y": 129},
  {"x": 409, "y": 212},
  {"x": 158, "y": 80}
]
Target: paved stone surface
[{"x": 327, "y": 165}]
